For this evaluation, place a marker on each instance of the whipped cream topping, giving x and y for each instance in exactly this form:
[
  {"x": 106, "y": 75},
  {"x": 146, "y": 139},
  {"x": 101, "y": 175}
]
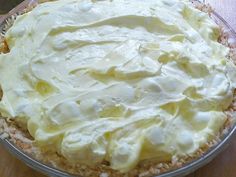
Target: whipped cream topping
[{"x": 121, "y": 81}]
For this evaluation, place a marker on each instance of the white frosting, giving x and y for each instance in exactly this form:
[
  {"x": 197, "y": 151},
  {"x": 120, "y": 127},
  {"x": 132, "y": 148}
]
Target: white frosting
[{"x": 121, "y": 80}]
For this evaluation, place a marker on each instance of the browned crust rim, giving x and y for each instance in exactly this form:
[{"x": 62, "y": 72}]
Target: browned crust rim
[
  {"x": 3, "y": 49},
  {"x": 24, "y": 141}
]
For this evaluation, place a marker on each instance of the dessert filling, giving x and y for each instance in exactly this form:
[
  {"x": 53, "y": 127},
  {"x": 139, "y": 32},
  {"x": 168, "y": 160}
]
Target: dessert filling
[{"x": 119, "y": 81}]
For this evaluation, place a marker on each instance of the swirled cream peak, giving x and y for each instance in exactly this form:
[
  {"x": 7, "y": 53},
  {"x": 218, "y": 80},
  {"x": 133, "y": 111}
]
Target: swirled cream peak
[{"x": 121, "y": 81}]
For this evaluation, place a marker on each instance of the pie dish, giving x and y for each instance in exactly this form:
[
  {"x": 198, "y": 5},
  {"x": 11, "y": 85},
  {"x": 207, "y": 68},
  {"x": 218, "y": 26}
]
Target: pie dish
[{"x": 145, "y": 169}]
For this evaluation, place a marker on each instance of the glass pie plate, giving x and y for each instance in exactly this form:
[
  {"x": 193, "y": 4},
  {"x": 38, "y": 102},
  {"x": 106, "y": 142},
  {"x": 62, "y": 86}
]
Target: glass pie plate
[{"x": 189, "y": 167}]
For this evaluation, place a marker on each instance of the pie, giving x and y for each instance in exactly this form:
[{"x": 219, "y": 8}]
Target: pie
[{"x": 116, "y": 88}]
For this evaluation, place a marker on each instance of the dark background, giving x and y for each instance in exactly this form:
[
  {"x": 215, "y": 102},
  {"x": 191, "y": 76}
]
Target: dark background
[{"x": 7, "y": 5}]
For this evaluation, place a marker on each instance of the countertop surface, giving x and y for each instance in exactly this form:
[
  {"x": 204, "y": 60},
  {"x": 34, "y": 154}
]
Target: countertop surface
[{"x": 222, "y": 166}]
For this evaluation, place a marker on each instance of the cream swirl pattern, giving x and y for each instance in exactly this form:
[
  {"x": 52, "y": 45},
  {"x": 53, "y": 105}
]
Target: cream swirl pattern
[{"x": 121, "y": 81}]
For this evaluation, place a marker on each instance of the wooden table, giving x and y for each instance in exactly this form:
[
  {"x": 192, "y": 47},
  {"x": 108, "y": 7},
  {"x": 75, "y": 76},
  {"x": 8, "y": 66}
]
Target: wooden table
[{"x": 223, "y": 165}]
